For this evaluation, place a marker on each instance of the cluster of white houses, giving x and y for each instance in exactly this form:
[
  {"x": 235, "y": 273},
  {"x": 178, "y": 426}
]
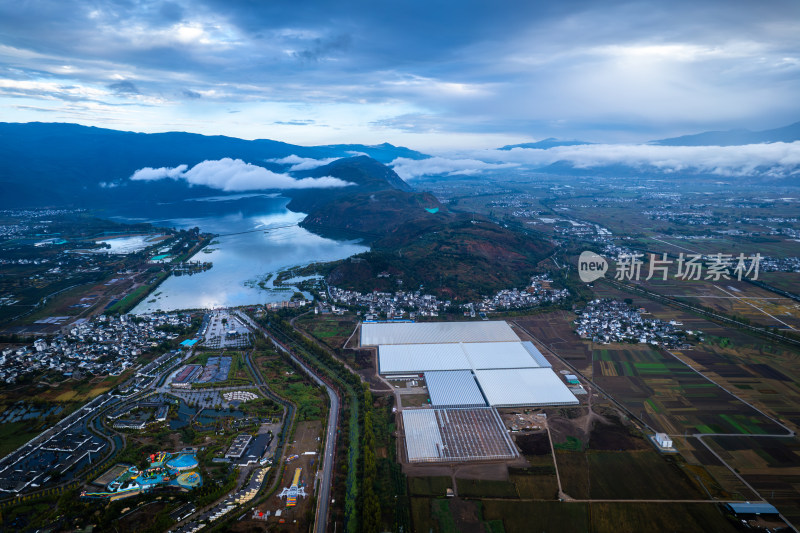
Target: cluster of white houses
[{"x": 470, "y": 368}]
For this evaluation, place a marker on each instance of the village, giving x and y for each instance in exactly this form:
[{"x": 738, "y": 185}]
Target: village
[
  {"x": 102, "y": 345},
  {"x": 606, "y": 321},
  {"x": 402, "y": 305}
]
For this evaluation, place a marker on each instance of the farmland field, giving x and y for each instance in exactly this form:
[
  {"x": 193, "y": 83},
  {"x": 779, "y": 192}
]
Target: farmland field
[
  {"x": 671, "y": 397},
  {"x": 775, "y": 246},
  {"x": 429, "y": 486},
  {"x": 523, "y": 517},
  {"x": 787, "y": 281},
  {"x": 761, "y": 372},
  {"x": 733, "y": 297},
  {"x": 556, "y": 332},
  {"x": 771, "y": 466}
]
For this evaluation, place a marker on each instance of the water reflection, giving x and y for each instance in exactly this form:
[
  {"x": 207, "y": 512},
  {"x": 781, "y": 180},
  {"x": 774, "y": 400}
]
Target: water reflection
[{"x": 246, "y": 252}]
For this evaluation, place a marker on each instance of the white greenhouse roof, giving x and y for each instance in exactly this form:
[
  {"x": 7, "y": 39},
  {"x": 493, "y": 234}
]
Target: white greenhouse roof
[
  {"x": 524, "y": 387},
  {"x": 455, "y": 388},
  {"x": 486, "y": 355},
  {"x": 417, "y": 358},
  {"x": 436, "y": 332},
  {"x": 423, "y": 439},
  {"x": 536, "y": 354}
]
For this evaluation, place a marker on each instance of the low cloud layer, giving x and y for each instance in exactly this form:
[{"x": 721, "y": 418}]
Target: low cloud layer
[
  {"x": 234, "y": 175},
  {"x": 769, "y": 160},
  {"x": 302, "y": 163},
  {"x": 409, "y": 169}
]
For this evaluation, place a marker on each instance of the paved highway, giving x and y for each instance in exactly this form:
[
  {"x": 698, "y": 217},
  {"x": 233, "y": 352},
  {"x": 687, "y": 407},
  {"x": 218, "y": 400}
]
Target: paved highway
[{"x": 324, "y": 494}]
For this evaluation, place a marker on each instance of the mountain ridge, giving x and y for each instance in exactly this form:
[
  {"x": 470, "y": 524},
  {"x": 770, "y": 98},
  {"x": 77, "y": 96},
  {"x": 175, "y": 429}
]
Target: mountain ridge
[
  {"x": 69, "y": 164},
  {"x": 735, "y": 137}
]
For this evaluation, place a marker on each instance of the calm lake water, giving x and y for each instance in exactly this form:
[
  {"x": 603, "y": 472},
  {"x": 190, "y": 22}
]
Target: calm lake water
[{"x": 246, "y": 252}]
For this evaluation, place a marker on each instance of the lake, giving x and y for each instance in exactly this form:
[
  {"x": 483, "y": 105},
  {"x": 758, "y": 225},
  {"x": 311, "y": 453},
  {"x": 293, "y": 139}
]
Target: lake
[{"x": 246, "y": 252}]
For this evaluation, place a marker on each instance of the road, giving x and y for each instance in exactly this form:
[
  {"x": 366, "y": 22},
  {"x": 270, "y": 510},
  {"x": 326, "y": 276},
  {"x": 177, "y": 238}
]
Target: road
[{"x": 325, "y": 480}]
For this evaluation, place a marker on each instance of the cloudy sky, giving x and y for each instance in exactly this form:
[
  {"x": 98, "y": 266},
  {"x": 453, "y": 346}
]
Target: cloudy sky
[{"x": 429, "y": 75}]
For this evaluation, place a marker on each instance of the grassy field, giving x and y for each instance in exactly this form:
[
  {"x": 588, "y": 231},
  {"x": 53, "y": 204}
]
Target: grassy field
[
  {"x": 538, "y": 516},
  {"x": 452, "y": 516},
  {"x": 477, "y": 488},
  {"x": 535, "y": 487},
  {"x": 137, "y": 295},
  {"x": 289, "y": 384},
  {"x": 538, "y": 481},
  {"x": 332, "y": 330},
  {"x": 627, "y": 517},
  {"x": 603, "y": 471},
  {"x": 787, "y": 281},
  {"x": 15, "y": 434},
  {"x": 77, "y": 391}
]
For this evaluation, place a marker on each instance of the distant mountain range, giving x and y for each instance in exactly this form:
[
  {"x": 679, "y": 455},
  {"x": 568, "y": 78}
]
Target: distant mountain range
[
  {"x": 69, "y": 164},
  {"x": 53, "y": 164},
  {"x": 738, "y": 137}
]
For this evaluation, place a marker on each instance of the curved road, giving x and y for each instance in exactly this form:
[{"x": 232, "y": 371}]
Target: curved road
[{"x": 324, "y": 495}]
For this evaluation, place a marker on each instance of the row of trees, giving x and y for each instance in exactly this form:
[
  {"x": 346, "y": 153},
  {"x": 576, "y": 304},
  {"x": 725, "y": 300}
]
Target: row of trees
[
  {"x": 370, "y": 508},
  {"x": 352, "y": 394}
]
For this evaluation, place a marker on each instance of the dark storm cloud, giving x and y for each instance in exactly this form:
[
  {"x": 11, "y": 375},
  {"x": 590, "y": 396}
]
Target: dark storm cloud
[{"x": 576, "y": 69}]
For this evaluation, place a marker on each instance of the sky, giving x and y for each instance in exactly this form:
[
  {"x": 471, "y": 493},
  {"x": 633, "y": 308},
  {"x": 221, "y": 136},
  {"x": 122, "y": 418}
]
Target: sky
[{"x": 434, "y": 76}]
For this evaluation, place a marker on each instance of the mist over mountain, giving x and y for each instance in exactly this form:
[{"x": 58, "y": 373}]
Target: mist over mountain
[
  {"x": 550, "y": 142},
  {"x": 368, "y": 176}
]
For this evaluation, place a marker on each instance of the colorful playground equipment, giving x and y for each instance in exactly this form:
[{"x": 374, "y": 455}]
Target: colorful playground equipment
[{"x": 165, "y": 470}]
